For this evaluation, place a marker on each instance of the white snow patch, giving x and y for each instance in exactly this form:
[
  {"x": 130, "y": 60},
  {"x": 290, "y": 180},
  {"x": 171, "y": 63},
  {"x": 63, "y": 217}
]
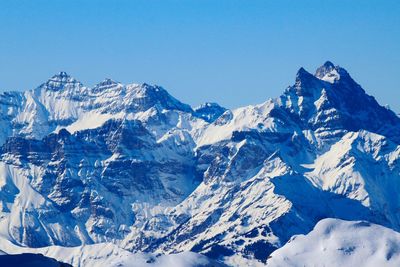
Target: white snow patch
[
  {"x": 340, "y": 243},
  {"x": 91, "y": 120}
]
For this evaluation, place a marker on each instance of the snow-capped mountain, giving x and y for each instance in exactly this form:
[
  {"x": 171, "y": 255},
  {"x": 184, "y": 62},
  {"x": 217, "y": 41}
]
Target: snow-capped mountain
[{"x": 133, "y": 166}]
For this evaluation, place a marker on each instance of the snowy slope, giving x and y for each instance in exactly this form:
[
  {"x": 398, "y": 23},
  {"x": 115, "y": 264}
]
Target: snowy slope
[
  {"x": 341, "y": 243},
  {"x": 109, "y": 255},
  {"x": 131, "y": 166}
]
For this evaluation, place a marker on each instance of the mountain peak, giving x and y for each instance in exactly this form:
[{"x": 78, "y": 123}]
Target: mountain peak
[
  {"x": 328, "y": 65},
  {"x": 105, "y": 84},
  {"x": 209, "y": 111},
  {"x": 304, "y": 78},
  {"x": 303, "y": 74},
  {"x": 302, "y": 71},
  {"x": 147, "y": 96},
  {"x": 329, "y": 72},
  {"x": 207, "y": 105},
  {"x": 60, "y": 81},
  {"x": 62, "y": 74},
  {"x": 109, "y": 81}
]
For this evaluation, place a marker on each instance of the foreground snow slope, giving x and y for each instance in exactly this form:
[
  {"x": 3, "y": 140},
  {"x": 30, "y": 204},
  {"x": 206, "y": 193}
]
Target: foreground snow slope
[
  {"x": 340, "y": 243},
  {"x": 110, "y": 255}
]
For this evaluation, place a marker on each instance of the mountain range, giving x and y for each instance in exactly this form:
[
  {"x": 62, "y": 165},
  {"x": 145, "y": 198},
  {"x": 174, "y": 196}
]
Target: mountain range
[{"x": 130, "y": 170}]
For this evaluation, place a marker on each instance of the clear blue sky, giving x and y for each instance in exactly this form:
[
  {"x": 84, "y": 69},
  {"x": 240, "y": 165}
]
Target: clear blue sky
[{"x": 228, "y": 51}]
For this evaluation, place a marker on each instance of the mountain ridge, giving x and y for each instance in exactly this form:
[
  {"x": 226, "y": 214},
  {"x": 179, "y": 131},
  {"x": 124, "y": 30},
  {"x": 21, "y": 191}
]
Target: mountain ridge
[{"x": 134, "y": 166}]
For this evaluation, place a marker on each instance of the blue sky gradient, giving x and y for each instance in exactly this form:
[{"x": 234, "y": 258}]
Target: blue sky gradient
[{"x": 228, "y": 51}]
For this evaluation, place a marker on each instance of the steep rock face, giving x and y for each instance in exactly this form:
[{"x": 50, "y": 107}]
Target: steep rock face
[
  {"x": 274, "y": 170},
  {"x": 91, "y": 179},
  {"x": 132, "y": 165},
  {"x": 332, "y": 103},
  {"x": 255, "y": 196}
]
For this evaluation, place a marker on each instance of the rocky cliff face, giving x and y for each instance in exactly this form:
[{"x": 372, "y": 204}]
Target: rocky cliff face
[{"x": 132, "y": 165}]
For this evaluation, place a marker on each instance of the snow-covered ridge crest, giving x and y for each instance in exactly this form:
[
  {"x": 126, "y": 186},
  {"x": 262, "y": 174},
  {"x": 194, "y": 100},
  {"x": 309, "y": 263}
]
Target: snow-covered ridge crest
[
  {"x": 63, "y": 102},
  {"x": 315, "y": 104}
]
